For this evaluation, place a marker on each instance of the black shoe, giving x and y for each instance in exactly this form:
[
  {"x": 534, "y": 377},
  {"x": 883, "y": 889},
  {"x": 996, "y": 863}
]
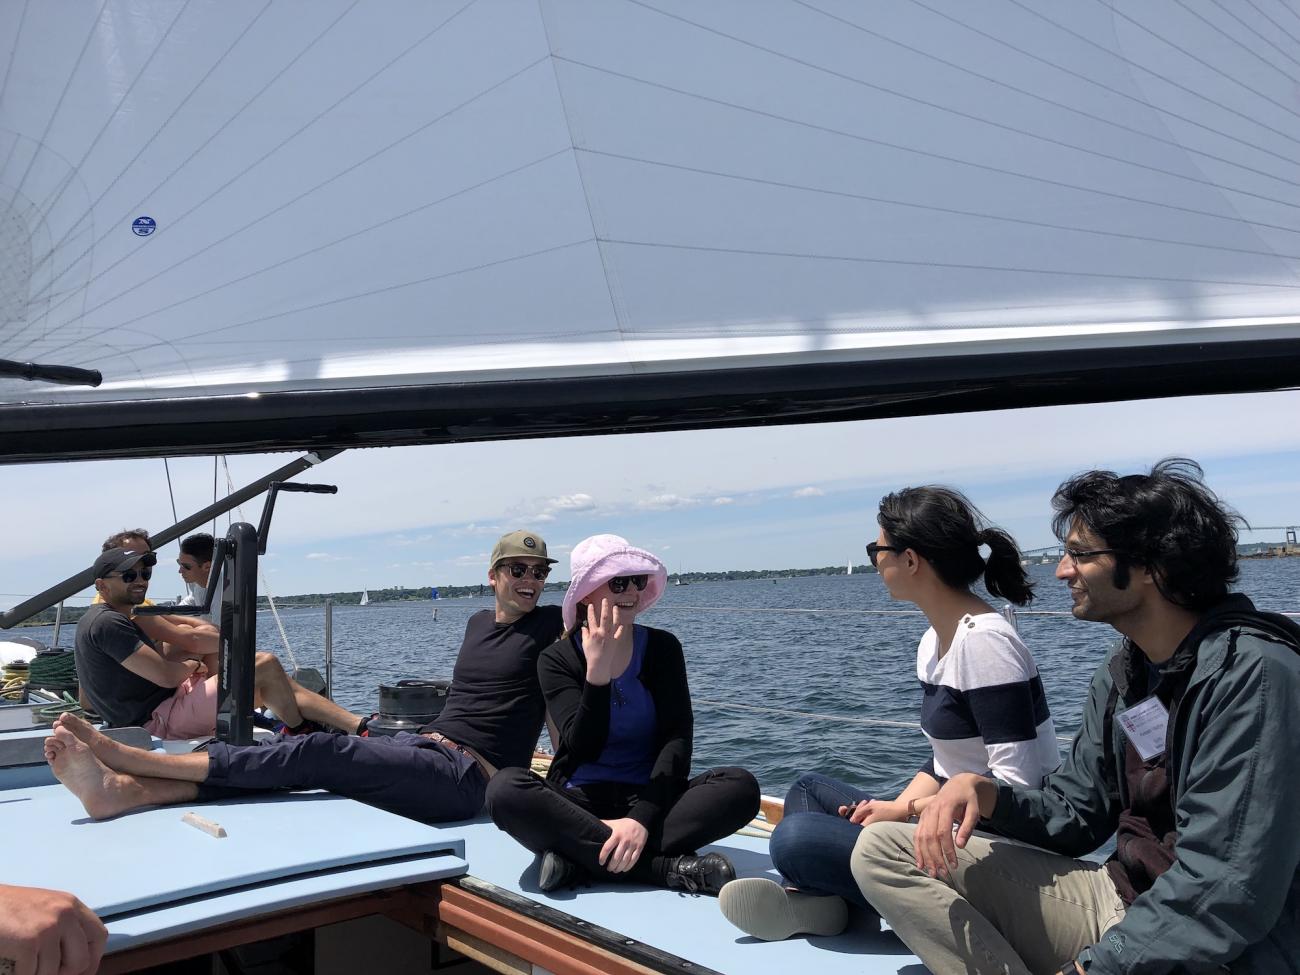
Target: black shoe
[
  {"x": 556, "y": 872},
  {"x": 700, "y": 875}
]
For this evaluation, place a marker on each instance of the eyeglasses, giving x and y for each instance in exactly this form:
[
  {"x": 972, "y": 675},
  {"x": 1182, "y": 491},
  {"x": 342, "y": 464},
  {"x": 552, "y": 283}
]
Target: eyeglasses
[
  {"x": 875, "y": 548},
  {"x": 619, "y": 584},
  {"x": 1074, "y": 555},
  {"x": 187, "y": 566},
  {"x": 518, "y": 569},
  {"x": 130, "y": 575}
]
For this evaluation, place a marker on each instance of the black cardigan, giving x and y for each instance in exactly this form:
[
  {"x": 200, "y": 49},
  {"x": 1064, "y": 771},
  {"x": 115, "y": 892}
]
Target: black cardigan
[{"x": 579, "y": 713}]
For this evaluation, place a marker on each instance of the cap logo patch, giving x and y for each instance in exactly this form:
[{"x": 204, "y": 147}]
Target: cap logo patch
[{"x": 529, "y": 543}]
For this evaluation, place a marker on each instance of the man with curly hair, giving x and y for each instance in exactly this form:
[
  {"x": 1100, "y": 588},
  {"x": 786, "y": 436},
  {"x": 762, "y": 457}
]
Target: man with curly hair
[{"x": 1186, "y": 755}]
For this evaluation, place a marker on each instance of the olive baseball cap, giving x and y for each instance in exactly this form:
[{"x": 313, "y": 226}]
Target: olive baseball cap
[{"x": 520, "y": 544}]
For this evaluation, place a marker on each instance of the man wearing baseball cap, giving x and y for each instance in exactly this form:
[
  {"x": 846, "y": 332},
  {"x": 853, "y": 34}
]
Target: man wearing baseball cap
[
  {"x": 131, "y": 677},
  {"x": 491, "y": 720}
]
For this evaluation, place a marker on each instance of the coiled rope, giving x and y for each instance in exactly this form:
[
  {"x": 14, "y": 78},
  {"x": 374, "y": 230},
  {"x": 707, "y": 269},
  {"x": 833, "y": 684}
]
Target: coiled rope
[
  {"x": 52, "y": 668},
  {"x": 13, "y": 681}
]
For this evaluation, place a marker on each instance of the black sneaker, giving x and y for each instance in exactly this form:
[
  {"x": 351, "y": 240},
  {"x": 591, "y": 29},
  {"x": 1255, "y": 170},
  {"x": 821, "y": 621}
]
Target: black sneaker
[
  {"x": 556, "y": 872},
  {"x": 700, "y": 875}
]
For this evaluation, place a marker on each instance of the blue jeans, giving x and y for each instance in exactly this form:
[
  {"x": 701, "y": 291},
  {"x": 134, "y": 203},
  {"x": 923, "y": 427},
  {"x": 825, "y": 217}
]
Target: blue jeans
[{"x": 813, "y": 844}]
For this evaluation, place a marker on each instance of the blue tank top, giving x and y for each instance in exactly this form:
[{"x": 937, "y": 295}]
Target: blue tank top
[{"x": 628, "y": 755}]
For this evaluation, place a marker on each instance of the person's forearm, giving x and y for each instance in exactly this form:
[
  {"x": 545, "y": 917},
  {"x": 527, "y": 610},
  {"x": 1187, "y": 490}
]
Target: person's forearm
[
  {"x": 922, "y": 786},
  {"x": 178, "y": 672}
]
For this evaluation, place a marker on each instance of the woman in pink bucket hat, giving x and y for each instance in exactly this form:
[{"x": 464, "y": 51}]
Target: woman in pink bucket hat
[{"x": 619, "y": 803}]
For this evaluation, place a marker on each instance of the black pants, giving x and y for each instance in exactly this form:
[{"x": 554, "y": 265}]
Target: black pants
[
  {"x": 408, "y": 775},
  {"x": 544, "y": 816}
]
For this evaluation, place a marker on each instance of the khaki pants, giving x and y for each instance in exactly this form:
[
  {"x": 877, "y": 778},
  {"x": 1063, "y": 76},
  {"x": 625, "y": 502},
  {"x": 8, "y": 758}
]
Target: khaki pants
[{"x": 1008, "y": 908}]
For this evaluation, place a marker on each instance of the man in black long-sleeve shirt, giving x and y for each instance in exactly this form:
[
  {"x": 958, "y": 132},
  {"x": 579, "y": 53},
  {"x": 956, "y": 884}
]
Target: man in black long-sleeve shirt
[{"x": 492, "y": 718}]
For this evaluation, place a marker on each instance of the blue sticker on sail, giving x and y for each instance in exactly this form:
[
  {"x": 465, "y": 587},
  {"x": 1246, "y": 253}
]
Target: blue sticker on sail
[{"x": 144, "y": 226}]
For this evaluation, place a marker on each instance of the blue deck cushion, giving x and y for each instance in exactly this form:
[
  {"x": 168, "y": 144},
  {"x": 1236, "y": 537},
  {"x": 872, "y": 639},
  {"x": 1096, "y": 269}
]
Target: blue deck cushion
[
  {"x": 135, "y": 868},
  {"x": 689, "y": 926}
]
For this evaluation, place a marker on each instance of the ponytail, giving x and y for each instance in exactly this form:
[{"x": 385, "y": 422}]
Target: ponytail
[
  {"x": 1004, "y": 576},
  {"x": 947, "y": 530}
]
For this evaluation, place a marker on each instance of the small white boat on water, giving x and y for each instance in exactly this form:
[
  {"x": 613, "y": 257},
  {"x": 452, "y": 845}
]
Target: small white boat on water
[
  {"x": 324, "y": 226},
  {"x": 365, "y": 598}
]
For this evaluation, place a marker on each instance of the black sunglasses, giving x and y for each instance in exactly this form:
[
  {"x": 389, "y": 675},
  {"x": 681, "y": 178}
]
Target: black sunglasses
[
  {"x": 518, "y": 569},
  {"x": 619, "y": 584},
  {"x": 130, "y": 575},
  {"x": 875, "y": 548}
]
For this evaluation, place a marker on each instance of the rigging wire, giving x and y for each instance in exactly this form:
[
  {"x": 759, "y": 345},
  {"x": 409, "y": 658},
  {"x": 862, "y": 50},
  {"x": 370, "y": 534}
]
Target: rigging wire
[
  {"x": 171, "y": 494},
  {"x": 261, "y": 572}
]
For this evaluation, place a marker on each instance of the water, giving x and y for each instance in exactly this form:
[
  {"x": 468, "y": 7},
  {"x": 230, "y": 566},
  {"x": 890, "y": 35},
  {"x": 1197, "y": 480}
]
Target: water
[{"x": 744, "y": 646}]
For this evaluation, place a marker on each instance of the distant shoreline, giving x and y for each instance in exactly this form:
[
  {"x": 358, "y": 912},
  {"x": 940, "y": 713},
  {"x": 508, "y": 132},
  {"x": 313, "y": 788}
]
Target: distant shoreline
[{"x": 396, "y": 594}]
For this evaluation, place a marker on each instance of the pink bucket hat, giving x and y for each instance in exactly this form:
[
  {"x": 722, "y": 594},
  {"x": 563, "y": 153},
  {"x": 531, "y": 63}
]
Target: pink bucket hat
[{"x": 596, "y": 560}]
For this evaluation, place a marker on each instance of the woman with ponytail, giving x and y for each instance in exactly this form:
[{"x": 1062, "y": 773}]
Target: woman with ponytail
[{"x": 983, "y": 710}]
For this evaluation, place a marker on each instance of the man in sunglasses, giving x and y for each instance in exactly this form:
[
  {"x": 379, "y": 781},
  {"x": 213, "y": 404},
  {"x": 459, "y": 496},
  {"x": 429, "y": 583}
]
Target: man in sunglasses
[
  {"x": 130, "y": 675},
  {"x": 1186, "y": 754},
  {"x": 491, "y": 720}
]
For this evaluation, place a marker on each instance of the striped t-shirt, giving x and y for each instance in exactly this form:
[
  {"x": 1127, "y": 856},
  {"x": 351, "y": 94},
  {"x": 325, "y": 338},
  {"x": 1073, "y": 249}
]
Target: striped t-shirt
[{"x": 983, "y": 709}]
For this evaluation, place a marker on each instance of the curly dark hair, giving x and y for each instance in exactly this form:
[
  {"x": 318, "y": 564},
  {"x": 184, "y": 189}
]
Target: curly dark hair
[
  {"x": 123, "y": 537},
  {"x": 1167, "y": 520},
  {"x": 942, "y": 526}
]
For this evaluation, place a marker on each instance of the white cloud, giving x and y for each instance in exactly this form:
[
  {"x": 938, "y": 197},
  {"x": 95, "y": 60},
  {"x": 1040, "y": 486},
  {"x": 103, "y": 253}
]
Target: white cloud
[
  {"x": 808, "y": 492},
  {"x": 327, "y": 557},
  {"x": 724, "y": 500},
  {"x": 665, "y": 502},
  {"x": 570, "y": 502}
]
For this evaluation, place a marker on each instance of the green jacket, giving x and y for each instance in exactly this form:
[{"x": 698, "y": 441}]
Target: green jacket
[{"x": 1231, "y": 900}]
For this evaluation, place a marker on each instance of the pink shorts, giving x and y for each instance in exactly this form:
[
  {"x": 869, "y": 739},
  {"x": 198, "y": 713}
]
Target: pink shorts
[{"x": 189, "y": 713}]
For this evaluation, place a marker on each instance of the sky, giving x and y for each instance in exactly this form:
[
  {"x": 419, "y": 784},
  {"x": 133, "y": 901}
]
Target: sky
[{"x": 770, "y": 497}]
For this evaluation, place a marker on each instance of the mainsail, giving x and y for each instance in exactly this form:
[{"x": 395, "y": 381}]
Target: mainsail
[{"x": 340, "y": 223}]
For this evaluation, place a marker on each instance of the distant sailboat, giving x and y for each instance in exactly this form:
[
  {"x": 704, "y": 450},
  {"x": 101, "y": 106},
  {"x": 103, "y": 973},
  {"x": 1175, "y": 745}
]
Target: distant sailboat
[
  {"x": 365, "y": 598},
  {"x": 849, "y": 570}
]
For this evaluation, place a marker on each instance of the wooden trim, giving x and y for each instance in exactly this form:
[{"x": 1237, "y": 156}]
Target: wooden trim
[
  {"x": 472, "y": 919},
  {"x": 773, "y": 810},
  {"x": 255, "y": 929}
]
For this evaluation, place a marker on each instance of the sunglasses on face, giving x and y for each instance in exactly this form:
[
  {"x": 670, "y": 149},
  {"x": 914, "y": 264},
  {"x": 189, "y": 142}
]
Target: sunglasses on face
[
  {"x": 187, "y": 566},
  {"x": 875, "y": 548},
  {"x": 518, "y": 569},
  {"x": 130, "y": 575},
  {"x": 619, "y": 584}
]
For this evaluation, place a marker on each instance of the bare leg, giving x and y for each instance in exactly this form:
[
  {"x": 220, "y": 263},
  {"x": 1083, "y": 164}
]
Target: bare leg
[
  {"x": 272, "y": 686},
  {"x": 103, "y": 792},
  {"x": 292, "y": 702},
  {"x": 134, "y": 761},
  {"x": 322, "y": 710}
]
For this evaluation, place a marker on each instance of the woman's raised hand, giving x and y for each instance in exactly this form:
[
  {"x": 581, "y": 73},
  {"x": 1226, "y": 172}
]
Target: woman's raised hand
[
  {"x": 623, "y": 848},
  {"x": 603, "y": 628}
]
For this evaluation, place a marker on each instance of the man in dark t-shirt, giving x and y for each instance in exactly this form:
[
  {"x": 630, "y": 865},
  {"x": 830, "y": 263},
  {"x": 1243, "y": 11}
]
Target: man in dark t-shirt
[
  {"x": 153, "y": 675},
  {"x": 492, "y": 718}
]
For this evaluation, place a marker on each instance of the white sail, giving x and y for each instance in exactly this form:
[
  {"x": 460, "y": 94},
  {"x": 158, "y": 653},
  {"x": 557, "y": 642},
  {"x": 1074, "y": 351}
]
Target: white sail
[
  {"x": 849, "y": 570},
  {"x": 365, "y": 598},
  {"x": 822, "y": 209}
]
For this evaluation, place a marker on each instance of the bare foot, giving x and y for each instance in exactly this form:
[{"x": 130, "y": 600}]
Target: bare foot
[
  {"x": 103, "y": 792},
  {"x": 103, "y": 747}
]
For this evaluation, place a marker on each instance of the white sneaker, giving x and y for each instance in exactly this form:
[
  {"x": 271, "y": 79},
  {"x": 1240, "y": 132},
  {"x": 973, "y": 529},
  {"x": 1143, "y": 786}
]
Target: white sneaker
[{"x": 765, "y": 910}]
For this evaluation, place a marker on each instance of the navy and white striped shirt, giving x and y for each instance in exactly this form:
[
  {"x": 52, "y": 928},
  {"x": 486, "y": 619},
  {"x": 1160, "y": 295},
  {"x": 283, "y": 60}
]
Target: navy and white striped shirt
[{"x": 984, "y": 710}]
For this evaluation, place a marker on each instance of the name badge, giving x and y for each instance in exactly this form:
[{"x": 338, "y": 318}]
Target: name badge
[{"x": 1145, "y": 724}]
